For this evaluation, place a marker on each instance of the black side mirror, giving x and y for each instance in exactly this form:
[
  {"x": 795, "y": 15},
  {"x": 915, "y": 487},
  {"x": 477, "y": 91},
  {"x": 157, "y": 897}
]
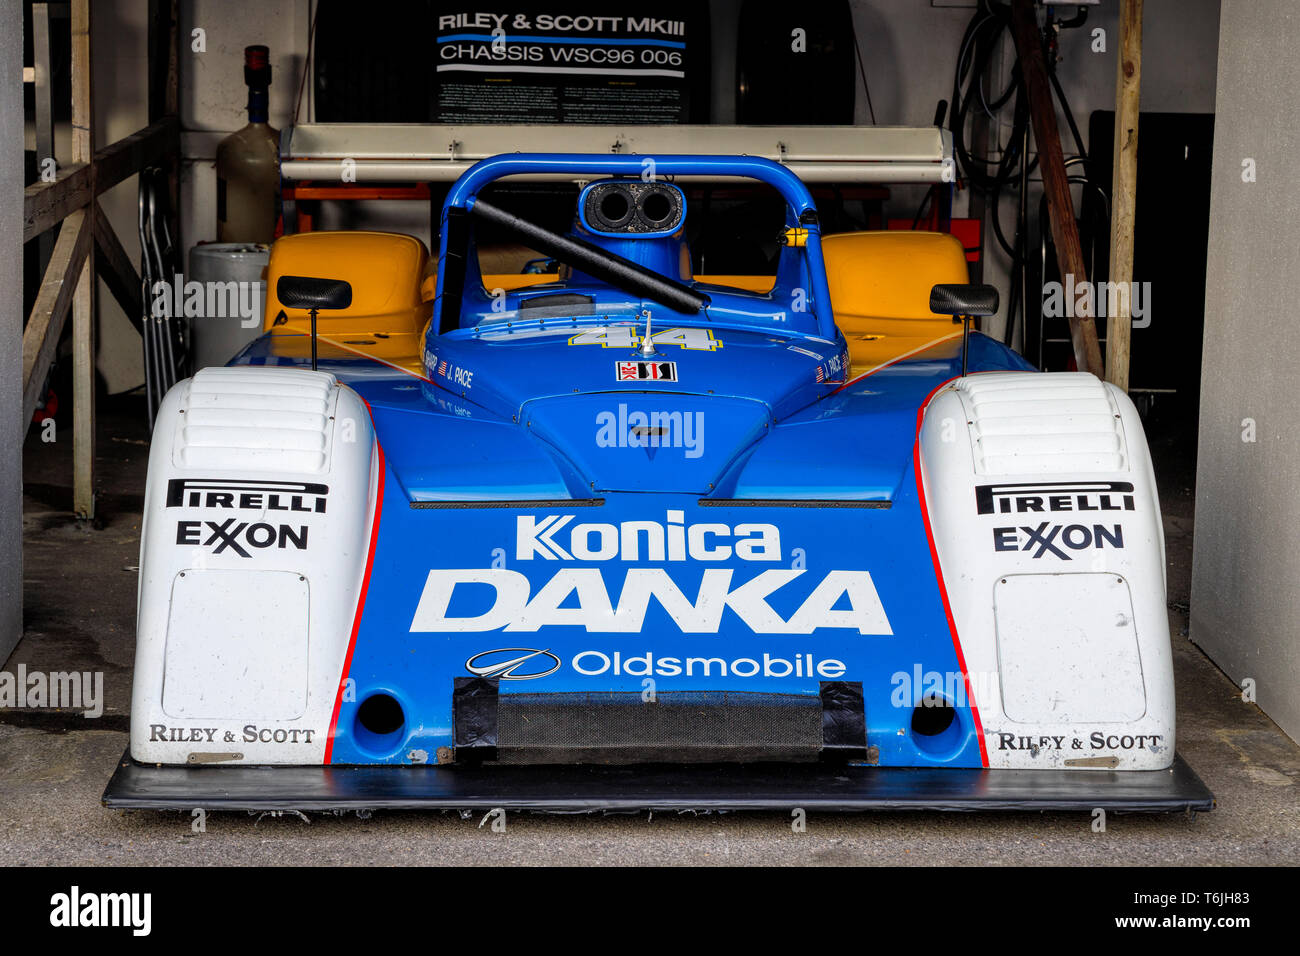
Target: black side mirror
[
  {"x": 957, "y": 300},
  {"x": 304, "y": 292},
  {"x": 962, "y": 302}
]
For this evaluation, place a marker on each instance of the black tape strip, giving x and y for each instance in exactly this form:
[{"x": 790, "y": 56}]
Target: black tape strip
[
  {"x": 474, "y": 707},
  {"x": 844, "y": 719}
]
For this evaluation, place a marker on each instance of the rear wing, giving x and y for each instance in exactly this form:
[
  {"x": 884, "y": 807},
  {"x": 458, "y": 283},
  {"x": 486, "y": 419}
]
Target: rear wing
[{"x": 387, "y": 153}]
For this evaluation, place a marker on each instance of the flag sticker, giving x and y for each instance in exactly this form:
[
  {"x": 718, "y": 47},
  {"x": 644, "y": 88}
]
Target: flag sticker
[{"x": 645, "y": 371}]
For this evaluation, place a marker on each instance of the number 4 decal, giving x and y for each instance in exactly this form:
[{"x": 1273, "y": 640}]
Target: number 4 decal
[
  {"x": 701, "y": 340},
  {"x": 610, "y": 336},
  {"x": 624, "y": 336}
]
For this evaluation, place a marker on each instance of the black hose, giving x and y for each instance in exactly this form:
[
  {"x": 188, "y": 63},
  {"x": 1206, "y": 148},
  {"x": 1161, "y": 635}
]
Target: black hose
[
  {"x": 990, "y": 22},
  {"x": 1069, "y": 115},
  {"x": 976, "y": 51},
  {"x": 146, "y": 298}
]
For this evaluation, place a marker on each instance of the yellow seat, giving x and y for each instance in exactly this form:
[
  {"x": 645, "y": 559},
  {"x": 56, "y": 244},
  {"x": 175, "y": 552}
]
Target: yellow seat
[
  {"x": 383, "y": 268},
  {"x": 880, "y": 290},
  {"x": 879, "y": 283}
]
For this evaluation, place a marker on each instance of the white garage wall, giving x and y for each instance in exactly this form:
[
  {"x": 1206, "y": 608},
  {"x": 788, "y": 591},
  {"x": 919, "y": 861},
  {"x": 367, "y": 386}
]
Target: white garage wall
[
  {"x": 1245, "y": 599},
  {"x": 120, "y": 64},
  {"x": 214, "y": 97},
  {"x": 11, "y": 330}
]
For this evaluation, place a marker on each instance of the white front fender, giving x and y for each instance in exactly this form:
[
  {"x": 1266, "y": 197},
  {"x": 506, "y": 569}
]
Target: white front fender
[
  {"x": 252, "y": 552},
  {"x": 1043, "y": 507}
]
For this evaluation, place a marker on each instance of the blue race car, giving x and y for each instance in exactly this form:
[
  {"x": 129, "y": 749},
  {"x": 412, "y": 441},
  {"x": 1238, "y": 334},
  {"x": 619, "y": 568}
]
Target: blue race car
[{"x": 618, "y": 535}]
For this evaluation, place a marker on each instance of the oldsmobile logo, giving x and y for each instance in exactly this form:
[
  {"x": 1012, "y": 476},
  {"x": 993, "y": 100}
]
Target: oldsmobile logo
[{"x": 513, "y": 663}]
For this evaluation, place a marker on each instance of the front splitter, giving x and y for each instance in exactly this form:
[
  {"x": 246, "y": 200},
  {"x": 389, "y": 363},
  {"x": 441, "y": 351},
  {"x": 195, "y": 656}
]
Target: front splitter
[{"x": 587, "y": 789}]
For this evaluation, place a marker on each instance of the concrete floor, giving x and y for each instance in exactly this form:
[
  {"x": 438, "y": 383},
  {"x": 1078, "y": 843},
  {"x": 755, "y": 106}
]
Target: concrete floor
[{"x": 80, "y": 613}]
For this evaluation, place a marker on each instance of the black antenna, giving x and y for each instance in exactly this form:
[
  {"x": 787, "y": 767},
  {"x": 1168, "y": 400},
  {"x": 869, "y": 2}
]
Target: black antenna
[
  {"x": 314, "y": 310},
  {"x": 965, "y": 342}
]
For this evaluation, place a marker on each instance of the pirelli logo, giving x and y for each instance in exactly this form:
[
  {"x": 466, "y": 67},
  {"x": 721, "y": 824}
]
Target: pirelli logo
[
  {"x": 229, "y": 494},
  {"x": 1043, "y": 497}
]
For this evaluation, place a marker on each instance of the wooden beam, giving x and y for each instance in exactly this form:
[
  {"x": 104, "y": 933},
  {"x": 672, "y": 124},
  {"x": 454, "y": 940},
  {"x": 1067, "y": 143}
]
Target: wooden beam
[
  {"x": 1056, "y": 186},
  {"x": 114, "y": 266},
  {"x": 83, "y": 390},
  {"x": 172, "y": 99},
  {"x": 164, "y": 97},
  {"x": 45, "y": 204},
  {"x": 1123, "y": 204},
  {"x": 50, "y": 310},
  {"x": 81, "y": 82},
  {"x": 43, "y": 76},
  {"x": 83, "y": 299},
  {"x": 42, "y": 95},
  {"x": 162, "y": 58},
  {"x": 130, "y": 154}
]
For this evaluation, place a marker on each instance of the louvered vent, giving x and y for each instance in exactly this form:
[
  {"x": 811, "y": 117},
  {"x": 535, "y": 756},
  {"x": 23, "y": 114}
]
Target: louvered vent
[
  {"x": 258, "y": 419},
  {"x": 1031, "y": 423}
]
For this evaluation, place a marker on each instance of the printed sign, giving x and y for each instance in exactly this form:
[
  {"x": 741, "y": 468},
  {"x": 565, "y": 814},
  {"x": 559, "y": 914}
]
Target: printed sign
[{"x": 531, "y": 63}]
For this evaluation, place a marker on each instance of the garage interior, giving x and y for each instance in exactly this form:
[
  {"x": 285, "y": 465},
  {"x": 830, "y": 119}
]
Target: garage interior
[{"x": 135, "y": 98}]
